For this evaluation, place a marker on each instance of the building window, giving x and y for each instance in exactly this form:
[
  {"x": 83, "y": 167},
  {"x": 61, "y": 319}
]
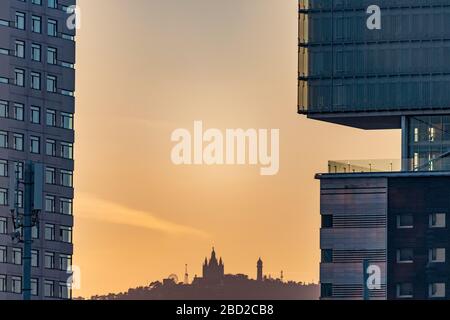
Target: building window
[
  {"x": 3, "y": 256},
  {"x": 405, "y": 221},
  {"x": 50, "y": 175},
  {"x": 35, "y": 232},
  {"x": 66, "y": 206},
  {"x": 35, "y": 115},
  {"x": 35, "y": 145},
  {"x": 50, "y": 204},
  {"x": 404, "y": 290},
  {"x": 20, "y": 49},
  {"x": 52, "y": 4},
  {"x": 67, "y": 178},
  {"x": 50, "y": 147},
  {"x": 65, "y": 262},
  {"x": 52, "y": 28},
  {"x": 18, "y": 141},
  {"x": 67, "y": 120},
  {"x": 19, "y": 77},
  {"x": 36, "y": 24},
  {"x": 18, "y": 111},
  {"x": 2, "y": 283},
  {"x": 50, "y": 232},
  {"x": 35, "y": 258},
  {"x": 67, "y": 150},
  {"x": 49, "y": 289},
  {"x": 34, "y": 287},
  {"x": 52, "y": 57},
  {"x": 3, "y": 197},
  {"x": 38, "y": 2},
  {"x": 437, "y": 220},
  {"x": 35, "y": 78},
  {"x": 20, "y": 20},
  {"x": 51, "y": 118},
  {"x": 4, "y": 112},
  {"x": 17, "y": 256},
  {"x": 436, "y": 290},
  {"x": 16, "y": 285},
  {"x": 327, "y": 255},
  {"x": 3, "y": 139},
  {"x": 3, "y": 225},
  {"x": 66, "y": 234},
  {"x": 405, "y": 256},
  {"x": 36, "y": 52},
  {"x": 51, "y": 84},
  {"x": 3, "y": 168},
  {"x": 64, "y": 291},
  {"x": 19, "y": 198},
  {"x": 49, "y": 260},
  {"x": 18, "y": 170},
  {"x": 326, "y": 290},
  {"x": 327, "y": 221},
  {"x": 436, "y": 255}
]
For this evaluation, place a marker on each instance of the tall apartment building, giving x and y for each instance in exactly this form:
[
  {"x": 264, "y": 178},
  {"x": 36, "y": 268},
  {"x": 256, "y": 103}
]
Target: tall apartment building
[
  {"x": 37, "y": 84},
  {"x": 372, "y": 65}
]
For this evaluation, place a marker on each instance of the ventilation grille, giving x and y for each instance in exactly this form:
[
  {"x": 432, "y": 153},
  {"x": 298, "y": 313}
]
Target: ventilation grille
[
  {"x": 359, "y": 221},
  {"x": 352, "y": 256}
]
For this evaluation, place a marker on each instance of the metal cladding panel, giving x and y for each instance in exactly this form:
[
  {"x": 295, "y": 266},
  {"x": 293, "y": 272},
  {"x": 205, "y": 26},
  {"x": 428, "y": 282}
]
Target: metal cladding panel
[{"x": 355, "y": 74}]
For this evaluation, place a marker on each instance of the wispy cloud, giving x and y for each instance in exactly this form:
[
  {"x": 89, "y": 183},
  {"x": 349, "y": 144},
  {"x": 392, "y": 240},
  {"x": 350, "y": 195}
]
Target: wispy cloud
[{"x": 90, "y": 207}]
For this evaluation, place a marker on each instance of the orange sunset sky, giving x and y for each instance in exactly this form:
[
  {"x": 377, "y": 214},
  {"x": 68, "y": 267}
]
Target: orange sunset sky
[{"x": 148, "y": 67}]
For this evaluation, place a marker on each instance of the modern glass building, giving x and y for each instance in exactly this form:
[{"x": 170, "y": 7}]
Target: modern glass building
[
  {"x": 382, "y": 64},
  {"x": 37, "y": 105}
]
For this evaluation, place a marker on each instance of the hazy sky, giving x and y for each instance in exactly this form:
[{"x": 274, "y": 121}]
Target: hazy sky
[{"x": 148, "y": 67}]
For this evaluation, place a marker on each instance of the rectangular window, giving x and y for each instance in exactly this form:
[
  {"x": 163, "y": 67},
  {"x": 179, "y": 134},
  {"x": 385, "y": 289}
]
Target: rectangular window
[
  {"x": 437, "y": 220},
  {"x": 326, "y": 290},
  {"x": 65, "y": 262},
  {"x": 67, "y": 150},
  {"x": 36, "y": 52},
  {"x": 35, "y": 78},
  {"x": 35, "y": 145},
  {"x": 3, "y": 225},
  {"x": 20, "y": 20},
  {"x": 67, "y": 120},
  {"x": 67, "y": 178},
  {"x": 18, "y": 111},
  {"x": 17, "y": 256},
  {"x": 50, "y": 232},
  {"x": 64, "y": 291},
  {"x": 50, "y": 204},
  {"x": 327, "y": 255},
  {"x": 35, "y": 258},
  {"x": 51, "y": 118},
  {"x": 16, "y": 285},
  {"x": 66, "y": 234},
  {"x": 51, "y": 84},
  {"x": 19, "y": 77},
  {"x": 34, "y": 287},
  {"x": 50, "y": 175},
  {"x": 405, "y": 256},
  {"x": 52, "y": 4},
  {"x": 20, "y": 49},
  {"x": 2, "y": 283},
  {"x": 4, "y": 109},
  {"x": 49, "y": 260},
  {"x": 405, "y": 221},
  {"x": 3, "y": 139},
  {"x": 52, "y": 28},
  {"x": 49, "y": 289},
  {"x": 52, "y": 57},
  {"x": 3, "y": 197},
  {"x": 50, "y": 148},
  {"x": 18, "y": 141},
  {"x": 3, "y": 168},
  {"x": 36, "y": 24},
  {"x": 327, "y": 221},
  {"x": 436, "y": 290},
  {"x": 436, "y": 255},
  {"x": 35, "y": 115},
  {"x": 3, "y": 256},
  {"x": 66, "y": 206},
  {"x": 405, "y": 290}
]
